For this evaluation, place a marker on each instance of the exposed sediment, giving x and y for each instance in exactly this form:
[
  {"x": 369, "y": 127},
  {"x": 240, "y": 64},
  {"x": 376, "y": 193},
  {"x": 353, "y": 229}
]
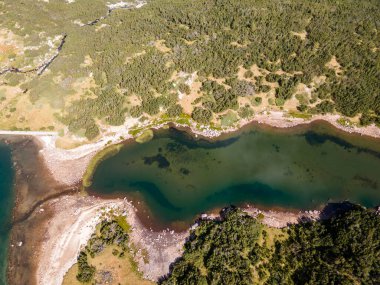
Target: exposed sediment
[{"x": 33, "y": 185}]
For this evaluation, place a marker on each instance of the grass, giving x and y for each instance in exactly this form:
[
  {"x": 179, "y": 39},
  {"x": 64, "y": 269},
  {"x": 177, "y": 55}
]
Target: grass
[
  {"x": 123, "y": 269},
  {"x": 123, "y": 223},
  {"x": 299, "y": 115},
  {"x": 229, "y": 119},
  {"x": 345, "y": 122},
  {"x": 95, "y": 161},
  {"x": 272, "y": 235},
  {"x": 135, "y": 132}
]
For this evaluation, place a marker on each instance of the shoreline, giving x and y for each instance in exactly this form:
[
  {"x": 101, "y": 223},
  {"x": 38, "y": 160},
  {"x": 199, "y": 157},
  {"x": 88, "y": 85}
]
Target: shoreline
[
  {"x": 62, "y": 162},
  {"x": 68, "y": 231},
  {"x": 64, "y": 237},
  {"x": 59, "y": 169}
]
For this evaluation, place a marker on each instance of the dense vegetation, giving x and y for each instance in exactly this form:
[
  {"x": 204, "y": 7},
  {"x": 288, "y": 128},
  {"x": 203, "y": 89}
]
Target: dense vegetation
[
  {"x": 220, "y": 252},
  {"x": 344, "y": 249},
  {"x": 291, "y": 42}
]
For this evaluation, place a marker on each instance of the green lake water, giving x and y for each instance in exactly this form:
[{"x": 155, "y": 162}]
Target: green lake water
[
  {"x": 6, "y": 205},
  {"x": 179, "y": 177}
]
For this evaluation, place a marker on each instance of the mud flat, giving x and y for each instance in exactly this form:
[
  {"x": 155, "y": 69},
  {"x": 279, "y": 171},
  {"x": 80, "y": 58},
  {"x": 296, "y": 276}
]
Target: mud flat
[{"x": 33, "y": 185}]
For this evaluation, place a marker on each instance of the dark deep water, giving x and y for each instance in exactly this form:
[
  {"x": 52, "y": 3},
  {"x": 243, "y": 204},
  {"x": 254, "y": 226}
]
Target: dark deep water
[
  {"x": 179, "y": 177},
  {"x": 6, "y": 205}
]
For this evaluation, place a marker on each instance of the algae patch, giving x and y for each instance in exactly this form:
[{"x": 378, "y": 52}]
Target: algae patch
[
  {"x": 95, "y": 161},
  {"x": 146, "y": 136}
]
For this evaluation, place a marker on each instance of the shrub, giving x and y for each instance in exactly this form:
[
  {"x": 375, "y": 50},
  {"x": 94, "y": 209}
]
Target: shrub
[
  {"x": 184, "y": 88},
  {"x": 279, "y": 101},
  {"x": 245, "y": 112},
  {"x": 325, "y": 107},
  {"x": 248, "y": 74},
  {"x": 302, "y": 108},
  {"x": 175, "y": 111},
  {"x": 257, "y": 101},
  {"x": 201, "y": 115},
  {"x": 136, "y": 111}
]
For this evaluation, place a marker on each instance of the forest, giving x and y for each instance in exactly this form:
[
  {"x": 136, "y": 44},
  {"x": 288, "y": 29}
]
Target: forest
[
  {"x": 290, "y": 42},
  {"x": 235, "y": 249}
]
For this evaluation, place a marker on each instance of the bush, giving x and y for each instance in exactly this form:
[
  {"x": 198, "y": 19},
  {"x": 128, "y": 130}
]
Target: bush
[
  {"x": 325, "y": 107},
  {"x": 264, "y": 88},
  {"x": 243, "y": 88},
  {"x": 302, "y": 108},
  {"x": 123, "y": 57},
  {"x": 367, "y": 119},
  {"x": 257, "y": 101},
  {"x": 201, "y": 115},
  {"x": 342, "y": 249},
  {"x": 136, "y": 111},
  {"x": 220, "y": 249},
  {"x": 184, "y": 88},
  {"x": 248, "y": 74},
  {"x": 245, "y": 112},
  {"x": 175, "y": 111},
  {"x": 280, "y": 101},
  {"x": 111, "y": 233},
  {"x": 85, "y": 271}
]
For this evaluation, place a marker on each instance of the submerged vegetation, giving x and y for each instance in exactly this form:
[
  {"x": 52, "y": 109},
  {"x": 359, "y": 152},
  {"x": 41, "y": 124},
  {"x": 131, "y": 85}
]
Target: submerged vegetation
[
  {"x": 146, "y": 61},
  {"x": 344, "y": 249},
  {"x": 105, "y": 153}
]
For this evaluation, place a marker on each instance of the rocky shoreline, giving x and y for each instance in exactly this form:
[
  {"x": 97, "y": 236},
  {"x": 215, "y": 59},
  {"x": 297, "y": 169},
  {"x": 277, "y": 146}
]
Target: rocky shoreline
[{"x": 74, "y": 219}]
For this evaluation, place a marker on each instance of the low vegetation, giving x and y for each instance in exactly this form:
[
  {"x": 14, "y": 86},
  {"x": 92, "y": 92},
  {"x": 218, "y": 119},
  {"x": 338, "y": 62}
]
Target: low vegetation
[
  {"x": 328, "y": 49},
  {"x": 145, "y": 136},
  {"x": 110, "y": 233},
  {"x": 106, "y": 259}
]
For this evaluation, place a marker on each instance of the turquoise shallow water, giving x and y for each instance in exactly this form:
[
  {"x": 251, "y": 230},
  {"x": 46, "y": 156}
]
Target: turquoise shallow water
[
  {"x": 179, "y": 177},
  {"x": 6, "y": 205}
]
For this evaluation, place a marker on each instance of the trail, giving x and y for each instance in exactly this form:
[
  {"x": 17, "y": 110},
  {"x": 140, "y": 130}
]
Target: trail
[
  {"x": 120, "y": 5},
  {"x": 41, "y": 68}
]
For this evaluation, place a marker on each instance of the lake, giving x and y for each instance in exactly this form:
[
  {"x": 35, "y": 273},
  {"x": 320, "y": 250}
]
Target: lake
[
  {"x": 6, "y": 205},
  {"x": 178, "y": 176}
]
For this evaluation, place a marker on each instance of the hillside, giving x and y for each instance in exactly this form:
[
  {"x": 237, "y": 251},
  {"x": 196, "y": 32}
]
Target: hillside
[{"x": 80, "y": 67}]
